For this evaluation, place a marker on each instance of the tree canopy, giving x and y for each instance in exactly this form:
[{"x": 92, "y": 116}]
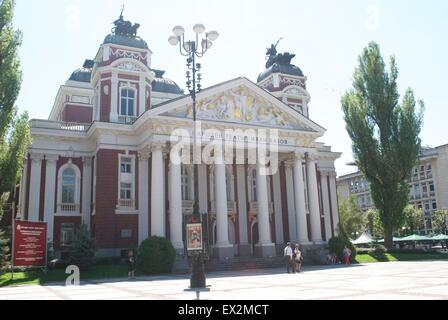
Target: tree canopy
[{"x": 384, "y": 134}]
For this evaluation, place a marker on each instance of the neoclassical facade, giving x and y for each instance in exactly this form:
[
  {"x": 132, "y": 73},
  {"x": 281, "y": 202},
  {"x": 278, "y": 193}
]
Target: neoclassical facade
[{"x": 103, "y": 158}]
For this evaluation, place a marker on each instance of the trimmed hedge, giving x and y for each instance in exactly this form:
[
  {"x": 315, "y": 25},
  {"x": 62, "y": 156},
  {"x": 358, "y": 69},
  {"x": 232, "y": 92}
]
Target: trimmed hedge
[{"x": 156, "y": 255}]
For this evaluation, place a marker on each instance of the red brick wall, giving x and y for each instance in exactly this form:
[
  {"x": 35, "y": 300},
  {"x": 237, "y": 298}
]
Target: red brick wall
[
  {"x": 42, "y": 190},
  {"x": 105, "y": 101},
  {"x": 107, "y": 224},
  {"x": 77, "y": 113}
]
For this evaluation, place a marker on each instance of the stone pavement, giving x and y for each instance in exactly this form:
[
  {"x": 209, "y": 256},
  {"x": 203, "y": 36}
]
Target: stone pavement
[{"x": 376, "y": 281}]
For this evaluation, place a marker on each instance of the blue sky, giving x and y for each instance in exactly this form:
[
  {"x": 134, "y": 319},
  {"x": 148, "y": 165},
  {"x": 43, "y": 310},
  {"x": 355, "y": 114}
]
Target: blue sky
[{"x": 327, "y": 37}]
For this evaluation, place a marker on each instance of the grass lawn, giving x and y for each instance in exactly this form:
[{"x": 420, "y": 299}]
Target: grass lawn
[
  {"x": 402, "y": 256},
  {"x": 39, "y": 277}
]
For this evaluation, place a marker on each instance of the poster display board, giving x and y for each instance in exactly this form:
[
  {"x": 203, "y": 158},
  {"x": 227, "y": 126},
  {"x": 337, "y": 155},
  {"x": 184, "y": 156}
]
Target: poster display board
[
  {"x": 29, "y": 244},
  {"x": 194, "y": 237}
]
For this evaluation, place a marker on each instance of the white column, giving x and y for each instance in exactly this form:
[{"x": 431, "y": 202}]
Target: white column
[
  {"x": 242, "y": 204},
  {"x": 263, "y": 207},
  {"x": 143, "y": 203},
  {"x": 292, "y": 220},
  {"x": 313, "y": 195},
  {"x": 50, "y": 193},
  {"x": 176, "y": 206},
  {"x": 142, "y": 95},
  {"x": 36, "y": 171},
  {"x": 157, "y": 192},
  {"x": 326, "y": 203},
  {"x": 23, "y": 184},
  {"x": 114, "y": 98},
  {"x": 86, "y": 190},
  {"x": 222, "y": 224},
  {"x": 334, "y": 201},
  {"x": 299, "y": 187},
  {"x": 278, "y": 208}
]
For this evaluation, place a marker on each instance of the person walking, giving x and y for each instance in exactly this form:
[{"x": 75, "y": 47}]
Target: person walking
[
  {"x": 288, "y": 253},
  {"x": 298, "y": 258},
  {"x": 131, "y": 265},
  {"x": 347, "y": 255}
]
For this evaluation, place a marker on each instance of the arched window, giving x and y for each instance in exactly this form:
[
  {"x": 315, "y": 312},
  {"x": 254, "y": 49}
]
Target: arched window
[
  {"x": 68, "y": 186},
  {"x": 127, "y": 102},
  {"x": 185, "y": 184},
  {"x": 69, "y": 189}
]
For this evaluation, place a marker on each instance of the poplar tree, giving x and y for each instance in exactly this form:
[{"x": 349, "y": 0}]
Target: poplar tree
[
  {"x": 14, "y": 129},
  {"x": 384, "y": 134}
]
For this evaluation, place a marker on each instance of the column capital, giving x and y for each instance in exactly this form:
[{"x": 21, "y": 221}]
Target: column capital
[
  {"x": 299, "y": 155},
  {"x": 289, "y": 163},
  {"x": 52, "y": 157},
  {"x": 312, "y": 156},
  {"x": 87, "y": 160},
  {"x": 332, "y": 174},
  {"x": 37, "y": 156},
  {"x": 157, "y": 146},
  {"x": 143, "y": 155}
]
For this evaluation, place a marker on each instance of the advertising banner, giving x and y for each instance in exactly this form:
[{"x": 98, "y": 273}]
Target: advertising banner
[{"x": 29, "y": 244}]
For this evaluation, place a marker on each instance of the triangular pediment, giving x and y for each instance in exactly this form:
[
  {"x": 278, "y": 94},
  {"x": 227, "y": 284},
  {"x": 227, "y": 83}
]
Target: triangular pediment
[{"x": 239, "y": 102}]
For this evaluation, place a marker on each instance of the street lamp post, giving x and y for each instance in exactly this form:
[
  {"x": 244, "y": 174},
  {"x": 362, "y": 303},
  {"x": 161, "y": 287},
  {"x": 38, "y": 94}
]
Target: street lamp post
[{"x": 192, "y": 50}]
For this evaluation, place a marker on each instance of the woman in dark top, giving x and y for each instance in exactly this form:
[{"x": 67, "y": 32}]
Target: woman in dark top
[{"x": 131, "y": 265}]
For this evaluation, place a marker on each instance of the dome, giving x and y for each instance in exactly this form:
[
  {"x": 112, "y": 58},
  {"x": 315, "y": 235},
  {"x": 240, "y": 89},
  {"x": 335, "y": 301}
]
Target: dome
[
  {"x": 81, "y": 75},
  {"x": 281, "y": 68},
  {"x": 126, "y": 41},
  {"x": 164, "y": 85}
]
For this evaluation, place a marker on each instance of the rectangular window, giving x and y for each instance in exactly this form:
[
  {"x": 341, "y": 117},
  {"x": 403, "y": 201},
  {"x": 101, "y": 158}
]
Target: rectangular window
[
  {"x": 126, "y": 233},
  {"x": 434, "y": 206},
  {"x": 126, "y": 165},
  {"x": 67, "y": 234},
  {"x": 126, "y": 191}
]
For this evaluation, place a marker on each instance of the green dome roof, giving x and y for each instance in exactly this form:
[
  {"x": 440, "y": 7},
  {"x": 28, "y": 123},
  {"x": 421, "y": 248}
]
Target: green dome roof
[
  {"x": 81, "y": 75},
  {"x": 126, "y": 41},
  {"x": 281, "y": 68},
  {"x": 165, "y": 85}
]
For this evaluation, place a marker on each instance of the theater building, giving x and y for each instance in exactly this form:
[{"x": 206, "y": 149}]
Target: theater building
[{"x": 103, "y": 159}]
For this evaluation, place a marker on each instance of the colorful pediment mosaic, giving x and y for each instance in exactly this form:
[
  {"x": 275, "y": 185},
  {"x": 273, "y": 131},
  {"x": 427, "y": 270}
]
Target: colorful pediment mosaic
[{"x": 240, "y": 105}]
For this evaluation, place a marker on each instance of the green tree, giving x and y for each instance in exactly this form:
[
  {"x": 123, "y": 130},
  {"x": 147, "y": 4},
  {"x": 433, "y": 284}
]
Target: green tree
[
  {"x": 10, "y": 74},
  {"x": 384, "y": 134},
  {"x": 439, "y": 221},
  {"x": 414, "y": 220},
  {"x": 351, "y": 218},
  {"x": 373, "y": 224},
  {"x": 82, "y": 253}
]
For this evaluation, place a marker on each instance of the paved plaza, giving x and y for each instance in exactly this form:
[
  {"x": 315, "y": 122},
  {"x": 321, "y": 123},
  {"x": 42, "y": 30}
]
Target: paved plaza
[{"x": 377, "y": 281}]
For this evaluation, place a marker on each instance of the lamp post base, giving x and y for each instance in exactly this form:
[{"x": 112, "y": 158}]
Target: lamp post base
[{"x": 197, "y": 280}]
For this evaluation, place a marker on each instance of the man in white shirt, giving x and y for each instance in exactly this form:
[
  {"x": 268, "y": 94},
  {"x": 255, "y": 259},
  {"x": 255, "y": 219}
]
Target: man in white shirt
[{"x": 288, "y": 257}]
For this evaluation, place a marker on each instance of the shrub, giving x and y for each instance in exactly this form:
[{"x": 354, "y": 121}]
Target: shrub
[
  {"x": 4, "y": 252},
  {"x": 82, "y": 254},
  {"x": 156, "y": 256},
  {"x": 337, "y": 244},
  {"x": 378, "y": 250}
]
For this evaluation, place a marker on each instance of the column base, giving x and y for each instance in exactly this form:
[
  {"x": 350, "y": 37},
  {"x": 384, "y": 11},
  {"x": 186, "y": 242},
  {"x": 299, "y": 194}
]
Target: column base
[
  {"x": 244, "y": 250},
  {"x": 319, "y": 242},
  {"x": 265, "y": 250},
  {"x": 223, "y": 252}
]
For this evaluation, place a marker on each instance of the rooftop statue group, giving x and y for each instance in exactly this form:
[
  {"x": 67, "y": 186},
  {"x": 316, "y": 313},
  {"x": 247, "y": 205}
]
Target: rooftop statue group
[
  {"x": 125, "y": 28},
  {"x": 281, "y": 58}
]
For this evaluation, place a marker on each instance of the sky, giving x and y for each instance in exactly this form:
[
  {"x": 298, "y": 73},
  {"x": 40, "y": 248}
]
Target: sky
[{"x": 327, "y": 37}]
